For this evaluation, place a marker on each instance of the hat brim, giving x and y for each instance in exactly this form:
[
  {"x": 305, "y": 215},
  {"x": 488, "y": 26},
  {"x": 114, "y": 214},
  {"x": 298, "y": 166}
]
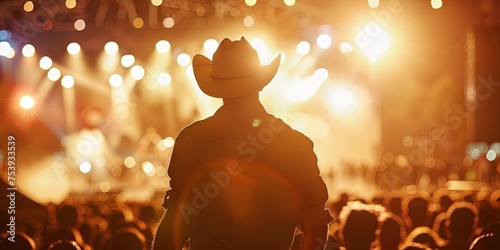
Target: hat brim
[{"x": 232, "y": 87}]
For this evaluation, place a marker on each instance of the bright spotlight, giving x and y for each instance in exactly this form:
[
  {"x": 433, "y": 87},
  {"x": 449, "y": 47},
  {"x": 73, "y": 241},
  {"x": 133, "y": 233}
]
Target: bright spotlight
[
  {"x": 210, "y": 46},
  {"x": 342, "y": 99},
  {"x": 345, "y": 47},
  {"x": 85, "y": 167},
  {"x": 183, "y": 59},
  {"x": 73, "y": 48},
  {"x": 127, "y": 60},
  {"x": 163, "y": 46},
  {"x": 373, "y": 40},
  {"x": 137, "y": 72},
  {"x": 54, "y": 74},
  {"x": 111, "y": 48},
  {"x": 303, "y": 48},
  {"x": 67, "y": 81},
  {"x": 115, "y": 80},
  {"x": 4, "y": 48},
  {"x": 45, "y": 63},
  {"x": 27, "y": 102},
  {"x": 164, "y": 79},
  {"x": 28, "y": 50},
  {"x": 436, "y": 4},
  {"x": 324, "y": 41}
]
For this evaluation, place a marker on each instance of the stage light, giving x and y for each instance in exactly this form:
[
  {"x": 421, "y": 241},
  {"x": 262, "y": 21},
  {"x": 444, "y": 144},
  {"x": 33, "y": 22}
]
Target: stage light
[
  {"x": 28, "y": 6},
  {"x": 85, "y": 167},
  {"x": 79, "y": 25},
  {"x": 148, "y": 168},
  {"x": 4, "y": 48},
  {"x": 11, "y": 53},
  {"x": 111, "y": 48},
  {"x": 45, "y": 63},
  {"x": 138, "y": 22},
  {"x": 115, "y": 80},
  {"x": 127, "y": 60},
  {"x": 137, "y": 72},
  {"x": 183, "y": 59},
  {"x": 28, "y": 50},
  {"x": 248, "y": 21},
  {"x": 54, "y": 74},
  {"x": 250, "y": 2},
  {"x": 491, "y": 155},
  {"x": 303, "y": 48},
  {"x": 200, "y": 11},
  {"x": 73, "y": 48},
  {"x": 168, "y": 22},
  {"x": 373, "y": 40},
  {"x": 436, "y": 4},
  {"x": 105, "y": 187},
  {"x": 289, "y": 3},
  {"x": 70, "y": 4},
  {"x": 27, "y": 102},
  {"x": 320, "y": 75},
  {"x": 373, "y": 3},
  {"x": 210, "y": 46},
  {"x": 67, "y": 81},
  {"x": 169, "y": 142},
  {"x": 129, "y": 162},
  {"x": 156, "y": 2},
  {"x": 475, "y": 154},
  {"x": 4, "y": 34},
  {"x": 345, "y": 47},
  {"x": 163, "y": 46},
  {"x": 342, "y": 99},
  {"x": 324, "y": 41},
  {"x": 164, "y": 79}
]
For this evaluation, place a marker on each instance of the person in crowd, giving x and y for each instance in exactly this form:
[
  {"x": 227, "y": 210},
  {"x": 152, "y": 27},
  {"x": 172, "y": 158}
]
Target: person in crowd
[
  {"x": 242, "y": 178},
  {"x": 392, "y": 231},
  {"x": 359, "y": 225},
  {"x": 416, "y": 210},
  {"x": 461, "y": 220}
]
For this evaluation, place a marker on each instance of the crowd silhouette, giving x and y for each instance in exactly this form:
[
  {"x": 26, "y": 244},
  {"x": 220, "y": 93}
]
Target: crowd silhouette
[{"x": 441, "y": 220}]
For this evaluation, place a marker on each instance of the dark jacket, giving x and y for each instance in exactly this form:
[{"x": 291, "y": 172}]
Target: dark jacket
[{"x": 243, "y": 179}]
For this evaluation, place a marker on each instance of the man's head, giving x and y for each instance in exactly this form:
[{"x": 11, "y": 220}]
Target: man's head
[
  {"x": 461, "y": 220},
  {"x": 234, "y": 71},
  {"x": 359, "y": 224}
]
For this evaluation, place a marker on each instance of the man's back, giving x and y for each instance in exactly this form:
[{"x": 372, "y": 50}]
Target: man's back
[
  {"x": 255, "y": 174},
  {"x": 241, "y": 179}
]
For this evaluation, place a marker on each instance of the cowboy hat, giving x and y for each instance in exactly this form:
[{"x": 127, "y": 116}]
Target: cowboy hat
[{"x": 234, "y": 71}]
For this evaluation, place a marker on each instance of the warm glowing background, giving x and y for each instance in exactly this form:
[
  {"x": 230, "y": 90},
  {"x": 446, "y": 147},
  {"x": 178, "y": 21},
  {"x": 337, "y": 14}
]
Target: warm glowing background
[{"x": 95, "y": 94}]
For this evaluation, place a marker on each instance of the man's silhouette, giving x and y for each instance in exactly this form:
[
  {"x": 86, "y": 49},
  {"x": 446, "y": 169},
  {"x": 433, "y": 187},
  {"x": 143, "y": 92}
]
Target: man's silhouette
[{"x": 242, "y": 178}]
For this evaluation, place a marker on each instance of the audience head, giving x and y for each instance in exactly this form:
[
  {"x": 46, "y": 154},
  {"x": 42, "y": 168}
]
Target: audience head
[
  {"x": 359, "y": 224},
  {"x": 67, "y": 214},
  {"x": 392, "y": 231},
  {"x": 416, "y": 208},
  {"x": 461, "y": 220},
  {"x": 127, "y": 238}
]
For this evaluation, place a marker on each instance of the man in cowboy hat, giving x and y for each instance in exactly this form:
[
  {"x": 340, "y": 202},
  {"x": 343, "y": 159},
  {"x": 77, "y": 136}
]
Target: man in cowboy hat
[{"x": 242, "y": 178}]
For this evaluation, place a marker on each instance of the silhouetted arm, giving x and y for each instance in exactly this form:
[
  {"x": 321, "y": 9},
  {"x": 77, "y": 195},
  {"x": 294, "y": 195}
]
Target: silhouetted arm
[{"x": 180, "y": 215}]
